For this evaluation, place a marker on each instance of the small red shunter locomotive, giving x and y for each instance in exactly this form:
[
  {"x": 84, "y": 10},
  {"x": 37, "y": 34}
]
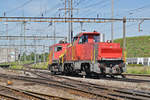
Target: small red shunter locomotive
[{"x": 87, "y": 55}]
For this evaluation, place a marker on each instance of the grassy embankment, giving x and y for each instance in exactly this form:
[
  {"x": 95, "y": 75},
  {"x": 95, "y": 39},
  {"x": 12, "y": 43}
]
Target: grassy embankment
[
  {"x": 40, "y": 65},
  {"x": 137, "y": 47},
  {"x": 19, "y": 65},
  {"x": 16, "y": 65},
  {"x": 138, "y": 69}
]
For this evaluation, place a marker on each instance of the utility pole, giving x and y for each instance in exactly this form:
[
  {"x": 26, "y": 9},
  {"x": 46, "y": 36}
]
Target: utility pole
[
  {"x": 68, "y": 8},
  {"x": 35, "y": 51},
  {"x": 124, "y": 37},
  {"x": 65, "y": 8},
  {"x": 24, "y": 40},
  {"x": 54, "y": 33},
  {"x": 44, "y": 54},
  {"x": 7, "y": 38},
  {"x": 31, "y": 57},
  {"x": 112, "y": 24},
  {"x": 71, "y": 20},
  {"x": 6, "y": 29},
  {"x": 69, "y": 27},
  {"x": 81, "y": 24},
  {"x": 20, "y": 51}
]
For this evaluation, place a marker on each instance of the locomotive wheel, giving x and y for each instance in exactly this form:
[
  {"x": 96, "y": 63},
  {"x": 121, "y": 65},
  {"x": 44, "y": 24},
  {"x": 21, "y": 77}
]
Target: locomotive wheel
[
  {"x": 123, "y": 76},
  {"x": 66, "y": 69},
  {"x": 51, "y": 69},
  {"x": 112, "y": 76},
  {"x": 86, "y": 69},
  {"x": 53, "y": 73}
]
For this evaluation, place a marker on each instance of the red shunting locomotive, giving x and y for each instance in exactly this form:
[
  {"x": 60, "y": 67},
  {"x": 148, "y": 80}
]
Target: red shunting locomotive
[{"x": 86, "y": 55}]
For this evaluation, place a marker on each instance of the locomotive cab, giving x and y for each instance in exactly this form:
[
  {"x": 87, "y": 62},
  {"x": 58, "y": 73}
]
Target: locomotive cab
[{"x": 87, "y": 38}]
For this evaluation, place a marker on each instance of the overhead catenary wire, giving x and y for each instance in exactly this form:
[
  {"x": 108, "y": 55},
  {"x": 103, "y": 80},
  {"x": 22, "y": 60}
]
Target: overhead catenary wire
[
  {"x": 131, "y": 12},
  {"x": 55, "y": 7},
  {"x": 79, "y": 2},
  {"x": 86, "y": 10},
  {"x": 95, "y": 4},
  {"x": 18, "y": 7},
  {"x": 101, "y": 7}
]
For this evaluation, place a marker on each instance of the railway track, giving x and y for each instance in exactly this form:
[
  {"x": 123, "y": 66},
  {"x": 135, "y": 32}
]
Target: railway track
[
  {"x": 133, "y": 80},
  {"x": 8, "y": 93},
  {"x": 101, "y": 87},
  {"x": 106, "y": 91},
  {"x": 140, "y": 75},
  {"x": 58, "y": 85},
  {"x": 89, "y": 89},
  {"x": 108, "y": 78}
]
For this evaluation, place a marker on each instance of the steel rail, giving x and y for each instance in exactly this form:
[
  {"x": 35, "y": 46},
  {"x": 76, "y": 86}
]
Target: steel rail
[
  {"x": 7, "y": 97},
  {"x": 104, "y": 78},
  {"x": 45, "y": 95},
  {"x": 24, "y": 94},
  {"x": 56, "y": 85},
  {"x": 142, "y": 75},
  {"x": 120, "y": 93}
]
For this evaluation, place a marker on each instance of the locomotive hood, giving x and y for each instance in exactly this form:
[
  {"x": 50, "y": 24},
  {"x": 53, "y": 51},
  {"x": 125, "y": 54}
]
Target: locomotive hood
[{"x": 109, "y": 51}]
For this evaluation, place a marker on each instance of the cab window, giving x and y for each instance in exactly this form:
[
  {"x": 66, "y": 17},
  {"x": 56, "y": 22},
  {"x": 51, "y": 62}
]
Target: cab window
[
  {"x": 74, "y": 39},
  {"x": 96, "y": 38},
  {"x": 58, "y": 48},
  {"x": 83, "y": 39}
]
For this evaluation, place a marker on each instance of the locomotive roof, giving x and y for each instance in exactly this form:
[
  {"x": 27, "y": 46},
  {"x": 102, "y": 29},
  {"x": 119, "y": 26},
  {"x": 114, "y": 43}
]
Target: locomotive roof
[
  {"x": 59, "y": 44},
  {"x": 88, "y": 33}
]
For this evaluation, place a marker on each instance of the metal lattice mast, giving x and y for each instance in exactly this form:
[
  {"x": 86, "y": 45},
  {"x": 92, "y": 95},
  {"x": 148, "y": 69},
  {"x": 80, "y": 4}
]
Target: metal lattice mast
[{"x": 112, "y": 23}]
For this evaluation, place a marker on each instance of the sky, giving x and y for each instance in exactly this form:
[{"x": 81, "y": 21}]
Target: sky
[{"x": 82, "y": 8}]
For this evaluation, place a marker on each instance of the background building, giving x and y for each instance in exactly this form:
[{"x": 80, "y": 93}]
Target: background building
[{"x": 8, "y": 55}]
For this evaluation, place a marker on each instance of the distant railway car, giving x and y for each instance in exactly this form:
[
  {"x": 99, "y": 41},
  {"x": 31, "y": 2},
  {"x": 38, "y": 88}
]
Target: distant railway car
[{"x": 87, "y": 55}]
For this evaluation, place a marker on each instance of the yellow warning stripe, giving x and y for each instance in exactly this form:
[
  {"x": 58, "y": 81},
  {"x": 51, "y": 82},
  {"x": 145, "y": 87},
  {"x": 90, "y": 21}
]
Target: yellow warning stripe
[
  {"x": 73, "y": 52},
  {"x": 50, "y": 57},
  {"x": 94, "y": 55},
  {"x": 91, "y": 56},
  {"x": 61, "y": 57},
  {"x": 125, "y": 55}
]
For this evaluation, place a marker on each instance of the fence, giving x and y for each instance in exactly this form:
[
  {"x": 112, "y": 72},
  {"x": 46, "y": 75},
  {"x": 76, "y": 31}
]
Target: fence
[{"x": 139, "y": 60}]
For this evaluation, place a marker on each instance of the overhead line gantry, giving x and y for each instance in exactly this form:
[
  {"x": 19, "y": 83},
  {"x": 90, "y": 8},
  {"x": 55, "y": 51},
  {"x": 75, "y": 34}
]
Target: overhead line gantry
[
  {"x": 31, "y": 37},
  {"x": 66, "y": 19},
  {"x": 75, "y": 20}
]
